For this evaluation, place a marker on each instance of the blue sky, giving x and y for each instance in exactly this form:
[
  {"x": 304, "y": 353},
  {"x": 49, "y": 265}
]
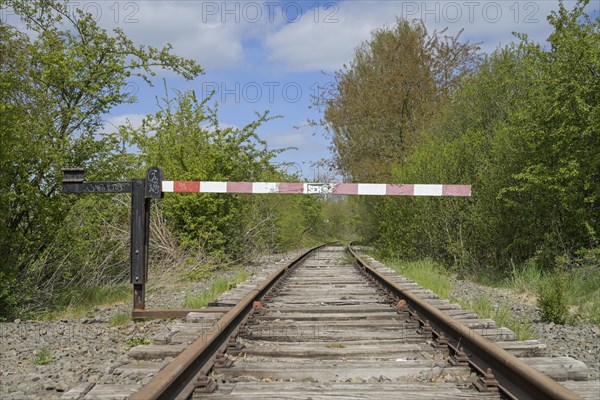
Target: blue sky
[{"x": 272, "y": 55}]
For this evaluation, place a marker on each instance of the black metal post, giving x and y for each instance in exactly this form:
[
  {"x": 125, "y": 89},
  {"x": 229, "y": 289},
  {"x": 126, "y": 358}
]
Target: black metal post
[
  {"x": 143, "y": 191},
  {"x": 146, "y": 237},
  {"x": 138, "y": 242}
]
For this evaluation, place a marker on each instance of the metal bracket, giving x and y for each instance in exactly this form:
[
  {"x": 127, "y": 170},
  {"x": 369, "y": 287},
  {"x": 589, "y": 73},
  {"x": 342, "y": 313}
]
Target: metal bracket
[{"x": 142, "y": 191}]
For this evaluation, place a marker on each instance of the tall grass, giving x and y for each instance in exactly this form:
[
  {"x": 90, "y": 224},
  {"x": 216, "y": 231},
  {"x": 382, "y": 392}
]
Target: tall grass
[
  {"x": 435, "y": 277},
  {"x": 584, "y": 296},
  {"x": 484, "y": 308},
  {"x": 524, "y": 278},
  {"x": 77, "y": 302},
  {"x": 581, "y": 289},
  {"x": 219, "y": 285},
  {"x": 426, "y": 273}
]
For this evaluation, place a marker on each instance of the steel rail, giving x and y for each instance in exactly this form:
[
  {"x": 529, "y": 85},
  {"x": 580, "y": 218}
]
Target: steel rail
[
  {"x": 516, "y": 379},
  {"x": 177, "y": 380}
]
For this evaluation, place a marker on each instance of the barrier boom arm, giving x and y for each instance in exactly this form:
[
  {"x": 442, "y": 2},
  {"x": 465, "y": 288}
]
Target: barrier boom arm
[
  {"x": 368, "y": 189},
  {"x": 153, "y": 186}
]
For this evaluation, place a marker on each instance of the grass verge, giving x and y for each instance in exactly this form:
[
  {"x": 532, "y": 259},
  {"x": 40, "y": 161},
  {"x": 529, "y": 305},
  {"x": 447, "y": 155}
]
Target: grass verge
[
  {"x": 77, "y": 302},
  {"x": 426, "y": 273},
  {"x": 436, "y": 278},
  {"x": 484, "y": 308},
  {"x": 579, "y": 290},
  {"x": 219, "y": 285}
]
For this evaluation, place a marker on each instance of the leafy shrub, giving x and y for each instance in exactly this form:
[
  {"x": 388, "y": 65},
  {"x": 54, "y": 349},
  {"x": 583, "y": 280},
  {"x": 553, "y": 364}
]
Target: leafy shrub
[
  {"x": 137, "y": 341},
  {"x": 553, "y": 299},
  {"x": 43, "y": 357}
]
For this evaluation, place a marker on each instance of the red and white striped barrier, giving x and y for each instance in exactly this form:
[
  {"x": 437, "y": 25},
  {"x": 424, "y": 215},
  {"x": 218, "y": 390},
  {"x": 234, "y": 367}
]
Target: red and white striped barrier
[{"x": 369, "y": 189}]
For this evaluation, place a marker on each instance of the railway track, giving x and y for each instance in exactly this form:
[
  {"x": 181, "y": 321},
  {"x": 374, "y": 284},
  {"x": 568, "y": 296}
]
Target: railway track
[
  {"x": 329, "y": 325},
  {"x": 329, "y": 332}
]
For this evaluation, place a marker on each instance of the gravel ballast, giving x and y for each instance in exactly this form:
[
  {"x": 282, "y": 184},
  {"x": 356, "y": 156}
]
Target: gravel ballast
[
  {"x": 86, "y": 349},
  {"x": 580, "y": 341}
]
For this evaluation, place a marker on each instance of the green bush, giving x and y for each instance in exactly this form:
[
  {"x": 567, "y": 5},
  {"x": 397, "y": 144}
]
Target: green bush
[
  {"x": 43, "y": 357},
  {"x": 186, "y": 140},
  {"x": 61, "y": 66},
  {"x": 522, "y": 130},
  {"x": 553, "y": 300}
]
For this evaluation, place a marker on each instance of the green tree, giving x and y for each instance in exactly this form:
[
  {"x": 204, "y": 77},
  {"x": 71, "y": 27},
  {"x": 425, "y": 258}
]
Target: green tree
[
  {"x": 463, "y": 144},
  {"x": 555, "y": 194},
  {"x": 524, "y": 131},
  {"x": 187, "y": 141},
  {"x": 394, "y": 86},
  {"x": 59, "y": 78}
]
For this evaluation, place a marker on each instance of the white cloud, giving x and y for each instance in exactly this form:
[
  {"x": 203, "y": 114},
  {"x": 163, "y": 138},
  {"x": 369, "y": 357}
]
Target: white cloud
[
  {"x": 328, "y": 41},
  {"x": 218, "y": 33},
  {"x": 312, "y": 44},
  {"x": 207, "y": 31}
]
